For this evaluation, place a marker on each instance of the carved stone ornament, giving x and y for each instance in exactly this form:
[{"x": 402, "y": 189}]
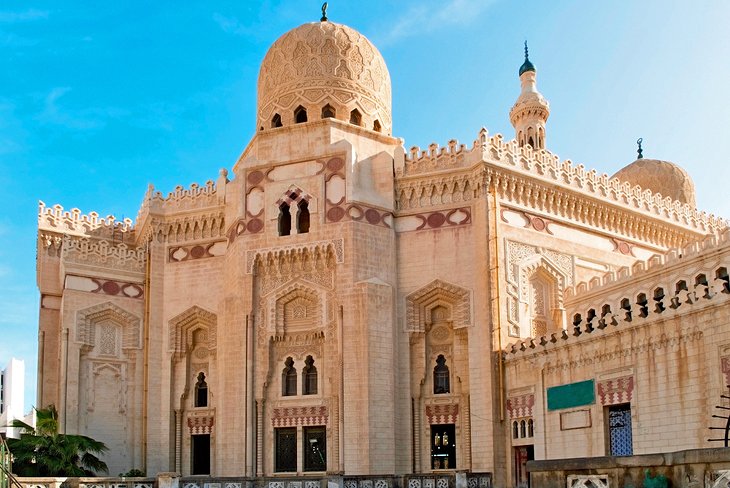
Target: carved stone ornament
[
  {"x": 421, "y": 303},
  {"x": 184, "y": 325},
  {"x": 90, "y": 321},
  {"x": 324, "y": 63}
]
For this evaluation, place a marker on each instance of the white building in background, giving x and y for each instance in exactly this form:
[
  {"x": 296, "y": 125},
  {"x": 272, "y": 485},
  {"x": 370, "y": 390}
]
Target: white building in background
[{"x": 12, "y": 392}]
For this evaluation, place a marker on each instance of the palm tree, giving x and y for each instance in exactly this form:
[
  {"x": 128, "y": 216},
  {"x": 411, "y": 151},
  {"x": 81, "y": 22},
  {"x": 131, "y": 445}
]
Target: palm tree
[{"x": 44, "y": 452}]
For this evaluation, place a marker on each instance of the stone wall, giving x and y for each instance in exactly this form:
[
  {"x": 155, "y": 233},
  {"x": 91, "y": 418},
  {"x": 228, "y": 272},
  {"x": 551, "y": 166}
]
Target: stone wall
[{"x": 696, "y": 468}]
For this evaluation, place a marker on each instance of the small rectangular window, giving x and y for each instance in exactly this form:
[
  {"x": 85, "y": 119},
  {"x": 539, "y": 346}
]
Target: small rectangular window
[
  {"x": 286, "y": 450},
  {"x": 315, "y": 449},
  {"x": 619, "y": 430}
]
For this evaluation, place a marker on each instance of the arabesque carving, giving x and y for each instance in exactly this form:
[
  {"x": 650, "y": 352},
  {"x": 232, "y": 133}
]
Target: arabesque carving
[
  {"x": 324, "y": 63},
  {"x": 88, "y": 319}
]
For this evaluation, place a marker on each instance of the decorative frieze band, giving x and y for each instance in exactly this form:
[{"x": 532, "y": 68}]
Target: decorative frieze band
[
  {"x": 434, "y": 220},
  {"x": 103, "y": 253},
  {"x": 442, "y": 414},
  {"x": 101, "y": 286},
  {"x": 293, "y": 416},
  {"x": 520, "y": 406},
  {"x": 336, "y": 246},
  {"x": 176, "y": 254},
  {"x": 201, "y": 424}
]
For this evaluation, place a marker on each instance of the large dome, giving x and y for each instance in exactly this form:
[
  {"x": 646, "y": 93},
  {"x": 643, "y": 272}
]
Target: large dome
[
  {"x": 663, "y": 177},
  {"x": 323, "y": 64}
]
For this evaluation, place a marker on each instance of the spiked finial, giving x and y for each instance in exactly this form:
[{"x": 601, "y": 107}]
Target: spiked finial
[
  {"x": 324, "y": 12},
  {"x": 639, "y": 141},
  {"x": 527, "y": 65}
]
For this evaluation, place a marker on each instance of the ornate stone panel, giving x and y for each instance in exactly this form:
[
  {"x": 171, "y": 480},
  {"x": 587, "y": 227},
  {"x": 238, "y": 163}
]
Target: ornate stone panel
[
  {"x": 185, "y": 324},
  {"x": 615, "y": 391},
  {"x": 420, "y": 304},
  {"x": 89, "y": 319},
  {"x": 201, "y": 423},
  {"x": 520, "y": 406},
  {"x": 442, "y": 414}
]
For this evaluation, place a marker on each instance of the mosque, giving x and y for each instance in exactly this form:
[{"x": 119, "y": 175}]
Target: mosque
[{"x": 339, "y": 307}]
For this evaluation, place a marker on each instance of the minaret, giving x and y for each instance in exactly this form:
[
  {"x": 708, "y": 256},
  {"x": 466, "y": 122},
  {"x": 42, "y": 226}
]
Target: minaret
[{"x": 531, "y": 111}]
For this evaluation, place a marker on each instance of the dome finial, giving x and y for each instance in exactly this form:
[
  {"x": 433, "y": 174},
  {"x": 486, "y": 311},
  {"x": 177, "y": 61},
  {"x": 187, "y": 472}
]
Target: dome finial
[
  {"x": 324, "y": 12},
  {"x": 527, "y": 65},
  {"x": 639, "y": 141}
]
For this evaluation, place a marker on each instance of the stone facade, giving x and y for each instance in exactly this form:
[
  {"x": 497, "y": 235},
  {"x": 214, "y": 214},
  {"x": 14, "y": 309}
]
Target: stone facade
[{"x": 340, "y": 306}]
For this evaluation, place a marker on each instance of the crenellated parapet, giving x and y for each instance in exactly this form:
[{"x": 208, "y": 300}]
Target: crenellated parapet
[
  {"x": 663, "y": 287},
  {"x": 538, "y": 179},
  {"x": 436, "y": 158},
  {"x": 56, "y": 220},
  {"x": 184, "y": 214},
  {"x": 194, "y": 197}
]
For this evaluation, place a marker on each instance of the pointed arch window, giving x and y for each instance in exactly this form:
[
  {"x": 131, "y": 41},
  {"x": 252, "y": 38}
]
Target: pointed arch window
[
  {"x": 355, "y": 117},
  {"x": 284, "y": 220},
  {"x": 276, "y": 121},
  {"x": 377, "y": 127},
  {"x": 441, "y": 376},
  {"x": 201, "y": 391},
  {"x": 302, "y": 217},
  {"x": 309, "y": 377},
  {"x": 328, "y": 111},
  {"x": 289, "y": 378},
  {"x": 300, "y": 114}
]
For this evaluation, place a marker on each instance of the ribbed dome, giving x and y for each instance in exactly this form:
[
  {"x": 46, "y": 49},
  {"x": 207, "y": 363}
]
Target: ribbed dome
[
  {"x": 320, "y": 64},
  {"x": 663, "y": 177}
]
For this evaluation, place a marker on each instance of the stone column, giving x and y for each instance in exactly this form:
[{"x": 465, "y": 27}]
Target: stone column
[
  {"x": 260, "y": 437},
  {"x": 466, "y": 426},
  {"x": 417, "y": 434},
  {"x": 178, "y": 439}
]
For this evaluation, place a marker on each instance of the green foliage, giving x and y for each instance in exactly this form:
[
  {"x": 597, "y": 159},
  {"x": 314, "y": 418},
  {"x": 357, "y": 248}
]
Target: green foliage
[
  {"x": 44, "y": 452},
  {"x": 133, "y": 473},
  {"x": 659, "y": 481}
]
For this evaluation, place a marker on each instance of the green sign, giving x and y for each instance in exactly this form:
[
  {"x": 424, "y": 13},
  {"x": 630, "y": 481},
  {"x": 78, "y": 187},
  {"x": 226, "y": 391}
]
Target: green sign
[{"x": 571, "y": 395}]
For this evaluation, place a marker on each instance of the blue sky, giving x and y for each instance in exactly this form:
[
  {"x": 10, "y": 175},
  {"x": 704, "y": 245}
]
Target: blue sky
[{"x": 99, "y": 99}]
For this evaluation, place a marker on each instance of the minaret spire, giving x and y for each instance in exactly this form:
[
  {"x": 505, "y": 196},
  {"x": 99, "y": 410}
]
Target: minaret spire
[{"x": 531, "y": 111}]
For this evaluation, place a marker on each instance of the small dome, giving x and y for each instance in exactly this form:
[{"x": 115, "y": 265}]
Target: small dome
[
  {"x": 663, "y": 177},
  {"x": 526, "y": 66},
  {"x": 328, "y": 69}
]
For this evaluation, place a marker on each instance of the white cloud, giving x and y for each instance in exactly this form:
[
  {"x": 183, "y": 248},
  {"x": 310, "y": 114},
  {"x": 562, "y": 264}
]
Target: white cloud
[
  {"x": 230, "y": 25},
  {"x": 84, "y": 119},
  {"x": 428, "y": 17},
  {"x": 26, "y": 16}
]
